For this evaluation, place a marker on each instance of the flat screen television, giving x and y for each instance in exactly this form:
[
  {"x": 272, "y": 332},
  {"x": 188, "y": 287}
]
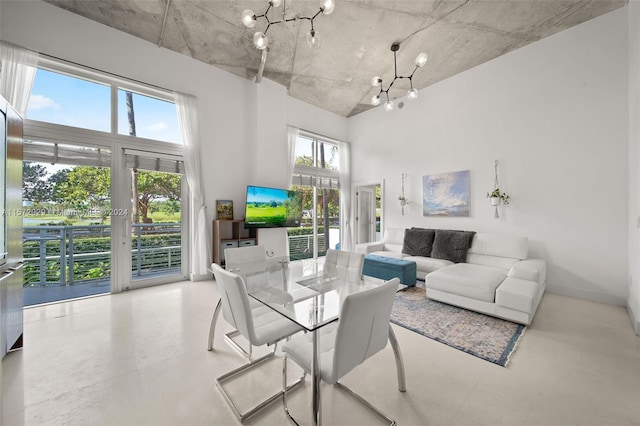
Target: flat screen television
[{"x": 272, "y": 208}]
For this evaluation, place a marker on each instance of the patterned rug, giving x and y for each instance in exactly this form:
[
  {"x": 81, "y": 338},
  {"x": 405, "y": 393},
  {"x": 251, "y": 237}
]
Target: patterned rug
[{"x": 489, "y": 338}]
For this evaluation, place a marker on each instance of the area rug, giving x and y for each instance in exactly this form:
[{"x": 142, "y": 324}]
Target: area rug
[{"x": 489, "y": 338}]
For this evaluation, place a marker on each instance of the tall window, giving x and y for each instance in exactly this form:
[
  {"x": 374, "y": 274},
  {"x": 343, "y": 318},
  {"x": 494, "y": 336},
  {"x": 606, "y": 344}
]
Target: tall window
[
  {"x": 154, "y": 118},
  {"x": 71, "y": 101},
  {"x": 103, "y": 169},
  {"x": 316, "y": 175}
]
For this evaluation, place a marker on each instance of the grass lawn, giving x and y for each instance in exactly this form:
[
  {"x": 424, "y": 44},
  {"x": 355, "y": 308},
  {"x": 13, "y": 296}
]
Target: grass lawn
[{"x": 37, "y": 220}]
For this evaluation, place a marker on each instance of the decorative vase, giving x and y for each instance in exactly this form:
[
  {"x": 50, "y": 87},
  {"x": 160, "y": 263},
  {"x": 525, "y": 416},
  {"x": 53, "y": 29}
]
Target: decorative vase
[{"x": 495, "y": 201}]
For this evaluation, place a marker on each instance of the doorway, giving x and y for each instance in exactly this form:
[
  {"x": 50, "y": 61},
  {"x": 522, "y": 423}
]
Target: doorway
[
  {"x": 153, "y": 226},
  {"x": 66, "y": 222},
  {"x": 368, "y": 213}
]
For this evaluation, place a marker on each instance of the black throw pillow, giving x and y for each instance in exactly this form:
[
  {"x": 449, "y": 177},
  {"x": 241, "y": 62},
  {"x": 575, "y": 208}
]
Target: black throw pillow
[
  {"x": 418, "y": 241},
  {"x": 452, "y": 245}
]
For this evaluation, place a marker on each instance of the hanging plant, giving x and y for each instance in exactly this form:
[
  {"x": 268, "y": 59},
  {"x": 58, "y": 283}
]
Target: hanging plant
[{"x": 497, "y": 197}]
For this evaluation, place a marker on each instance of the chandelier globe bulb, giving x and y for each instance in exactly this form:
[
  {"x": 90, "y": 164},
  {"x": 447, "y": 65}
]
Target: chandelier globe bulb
[
  {"x": 313, "y": 39},
  {"x": 388, "y": 106},
  {"x": 375, "y": 100},
  {"x": 327, "y": 6},
  {"x": 260, "y": 40},
  {"x": 376, "y": 81},
  {"x": 412, "y": 94},
  {"x": 421, "y": 60},
  {"x": 249, "y": 18}
]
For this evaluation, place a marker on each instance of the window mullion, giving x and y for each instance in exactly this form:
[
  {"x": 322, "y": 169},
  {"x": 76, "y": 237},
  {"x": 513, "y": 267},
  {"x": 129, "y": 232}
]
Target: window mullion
[
  {"x": 114, "y": 109},
  {"x": 315, "y": 152}
]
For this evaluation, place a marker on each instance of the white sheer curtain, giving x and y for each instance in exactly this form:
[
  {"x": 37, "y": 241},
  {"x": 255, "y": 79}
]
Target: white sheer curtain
[
  {"x": 187, "y": 109},
  {"x": 345, "y": 195},
  {"x": 292, "y": 137},
  {"x": 17, "y": 72}
]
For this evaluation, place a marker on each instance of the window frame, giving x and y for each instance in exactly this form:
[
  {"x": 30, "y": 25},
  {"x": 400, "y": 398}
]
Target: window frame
[
  {"x": 115, "y": 83},
  {"x": 37, "y": 130},
  {"x": 317, "y": 174}
]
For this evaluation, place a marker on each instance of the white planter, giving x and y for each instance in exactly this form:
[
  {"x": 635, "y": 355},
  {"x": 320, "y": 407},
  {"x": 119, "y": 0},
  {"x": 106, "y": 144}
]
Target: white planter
[{"x": 495, "y": 201}]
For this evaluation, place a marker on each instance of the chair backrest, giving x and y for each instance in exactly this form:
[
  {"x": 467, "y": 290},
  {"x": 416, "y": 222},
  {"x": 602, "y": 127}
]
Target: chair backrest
[
  {"x": 344, "y": 265},
  {"x": 235, "y": 301},
  {"x": 250, "y": 262},
  {"x": 252, "y": 257},
  {"x": 363, "y": 327}
]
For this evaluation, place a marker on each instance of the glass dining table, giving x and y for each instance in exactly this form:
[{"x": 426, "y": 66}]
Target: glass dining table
[{"x": 302, "y": 292}]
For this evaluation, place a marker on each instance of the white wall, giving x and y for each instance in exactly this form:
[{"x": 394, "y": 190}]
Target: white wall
[
  {"x": 242, "y": 125},
  {"x": 555, "y": 114},
  {"x": 633, "y": 300}
]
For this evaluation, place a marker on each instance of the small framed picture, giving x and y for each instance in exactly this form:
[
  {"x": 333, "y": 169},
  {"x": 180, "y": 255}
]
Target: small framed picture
[{"x": 224, "y": 209}]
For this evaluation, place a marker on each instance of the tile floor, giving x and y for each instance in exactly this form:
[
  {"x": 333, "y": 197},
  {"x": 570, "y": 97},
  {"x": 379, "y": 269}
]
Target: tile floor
[{"x": 140, "y": 358}]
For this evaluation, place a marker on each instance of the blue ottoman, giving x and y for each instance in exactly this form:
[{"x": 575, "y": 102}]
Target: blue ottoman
[{"x": 387, "y": 268}]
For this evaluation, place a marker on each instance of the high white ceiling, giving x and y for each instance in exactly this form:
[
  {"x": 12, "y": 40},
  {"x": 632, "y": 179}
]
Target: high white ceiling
[{"x": 356, "y": 38}]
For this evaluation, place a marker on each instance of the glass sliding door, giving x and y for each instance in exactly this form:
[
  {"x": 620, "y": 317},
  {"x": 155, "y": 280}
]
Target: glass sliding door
[
  {"x": 155, "y": 218},
  {"x": 95, "y": 216},
  {"x": 316, "y": 175},
  {"x": 66, "y": 222}
]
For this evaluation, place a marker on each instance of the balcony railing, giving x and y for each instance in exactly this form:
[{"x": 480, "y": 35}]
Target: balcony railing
[
  {"x": 301, "y": 246},
  {"x": 69, "y": 255}
]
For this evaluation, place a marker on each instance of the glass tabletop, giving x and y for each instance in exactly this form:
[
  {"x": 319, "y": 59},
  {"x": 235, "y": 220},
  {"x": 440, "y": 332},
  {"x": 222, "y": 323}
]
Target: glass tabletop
[{"x": 300, "y": 290}]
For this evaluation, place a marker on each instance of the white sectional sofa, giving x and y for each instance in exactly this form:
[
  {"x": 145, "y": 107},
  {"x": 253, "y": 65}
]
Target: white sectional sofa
[{"x": 496, "y": 277}]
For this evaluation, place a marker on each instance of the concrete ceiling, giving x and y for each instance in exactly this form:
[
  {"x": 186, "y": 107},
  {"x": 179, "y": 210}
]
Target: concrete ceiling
[{"x": 356, "y": 38}]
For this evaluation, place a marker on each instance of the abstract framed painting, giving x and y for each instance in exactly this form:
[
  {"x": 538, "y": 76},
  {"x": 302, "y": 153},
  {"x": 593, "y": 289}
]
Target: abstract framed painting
[{"x": 446, "y": 194}]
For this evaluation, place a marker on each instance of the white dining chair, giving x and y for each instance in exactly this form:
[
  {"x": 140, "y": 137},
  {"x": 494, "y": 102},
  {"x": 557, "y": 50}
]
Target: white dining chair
[
  {"x": 259, "y": 324},
  {"x": 253, "y": 261},
  {"x": 362, "y": 331},
  {"x": 344, "y": 265}
]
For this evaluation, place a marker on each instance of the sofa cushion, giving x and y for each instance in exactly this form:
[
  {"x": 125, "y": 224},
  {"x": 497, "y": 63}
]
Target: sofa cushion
[
  {"x": 500, "y": 245},
  {"x": 530, "y": 269},
  {"x": 495, "y": 261},
  {"x": 394, "y": 236},
  {"x": 418, "y": 241},
  {"x": 464, "y": 279},
  {"x": 518, "y": 294},
  {"x": 428, "y": 264},
  {"x": 393, "y": 248},
  {"x": 452, "y": 245}
]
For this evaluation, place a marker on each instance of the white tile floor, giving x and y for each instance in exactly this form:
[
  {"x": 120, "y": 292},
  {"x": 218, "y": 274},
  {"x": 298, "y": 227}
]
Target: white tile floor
[{"x": 140, "y": 358}]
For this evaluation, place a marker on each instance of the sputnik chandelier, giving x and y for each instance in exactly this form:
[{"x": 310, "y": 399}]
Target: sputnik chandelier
[
  {"x": 376, "y": 81},
  {"x": 260, "y": 39}
]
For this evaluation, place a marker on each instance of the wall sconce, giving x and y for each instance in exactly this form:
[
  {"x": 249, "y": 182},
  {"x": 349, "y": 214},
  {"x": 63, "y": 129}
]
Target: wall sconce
[{"x": 403, "y": 201}]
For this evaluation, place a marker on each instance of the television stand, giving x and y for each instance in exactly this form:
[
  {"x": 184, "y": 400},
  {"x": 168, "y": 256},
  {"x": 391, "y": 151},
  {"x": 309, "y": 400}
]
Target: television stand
[{"x": 231, "y": 233}]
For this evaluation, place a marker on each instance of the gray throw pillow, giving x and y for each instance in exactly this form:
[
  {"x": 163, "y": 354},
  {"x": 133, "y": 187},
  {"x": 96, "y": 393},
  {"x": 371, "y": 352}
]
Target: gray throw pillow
[
  {"x": 452, "y": 245},
  {"x": 418, "y": 241}
]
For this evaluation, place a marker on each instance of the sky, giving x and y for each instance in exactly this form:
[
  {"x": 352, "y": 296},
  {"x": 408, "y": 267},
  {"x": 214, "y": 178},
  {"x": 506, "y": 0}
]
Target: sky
[
  {"x": 264, "y": 195},
  {"x": 60, "y": 99}
]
